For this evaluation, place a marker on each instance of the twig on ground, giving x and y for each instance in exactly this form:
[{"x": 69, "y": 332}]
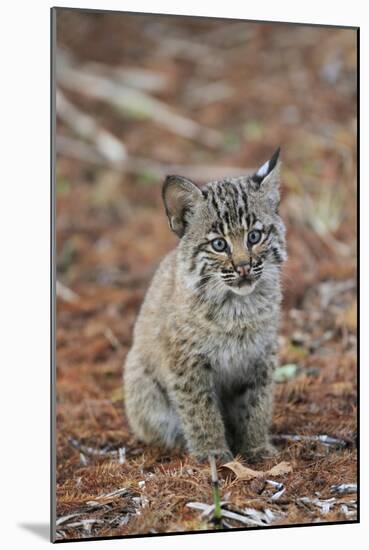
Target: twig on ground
[
  {"x": 108, "y": 146},
  {"x": 65, "y": 293},
  {"x": 135, "y": 77},
  {"x": 248, "y": 516},
  {"x": 328, "y": 290},
  {"x": 133, "y": 101},
  {"x": 104, "y": 499},
  {"x": 324, "y": 439},
  {"x": 280, "y": 489},
  {"x": 206, "y": 93},
  {"x": 183, "y": 47},
  {"x": 63, "y": 519},
  {"x": 231, "y": 34},
  {"x": 83, "y": 459},
  {"x": 85, "y": 523},
  {"x": 344, "y": 488},
  {"x": 111, "y": 337},
  {"x": 121, "y": 455},
  {"x": 93, "y": 451},
  {"x": 77, "y": 149},
  {"x": 348, "y": 508}
]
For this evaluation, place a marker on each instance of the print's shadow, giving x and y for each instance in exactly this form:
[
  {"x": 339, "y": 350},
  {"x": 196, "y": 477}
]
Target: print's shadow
[{"x": 40, "y": 529}]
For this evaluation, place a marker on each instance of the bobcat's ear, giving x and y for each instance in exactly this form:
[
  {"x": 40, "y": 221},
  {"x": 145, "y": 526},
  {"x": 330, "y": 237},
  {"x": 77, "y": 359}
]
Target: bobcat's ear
[
  {"x": 267, "y": 178},
  {"x": 180, "y": 197}
]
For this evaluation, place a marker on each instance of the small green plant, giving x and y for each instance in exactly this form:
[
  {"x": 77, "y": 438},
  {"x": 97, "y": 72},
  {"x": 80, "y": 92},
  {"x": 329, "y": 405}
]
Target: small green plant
[
  {"x": 217, "y": 516},
  {"x": 62, "y": 186}
]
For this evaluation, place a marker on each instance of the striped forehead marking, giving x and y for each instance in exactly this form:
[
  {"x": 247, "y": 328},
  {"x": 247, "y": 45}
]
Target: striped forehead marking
[{"x": 229, "y": 202}]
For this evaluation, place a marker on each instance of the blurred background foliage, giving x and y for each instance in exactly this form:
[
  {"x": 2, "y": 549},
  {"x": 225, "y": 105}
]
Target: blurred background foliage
[{"x": 141, "y": 96}]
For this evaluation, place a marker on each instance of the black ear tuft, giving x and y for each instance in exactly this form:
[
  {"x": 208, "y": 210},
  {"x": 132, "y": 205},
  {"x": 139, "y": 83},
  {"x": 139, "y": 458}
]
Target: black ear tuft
[
  {"x": 266, "y": 168},
  {"x": 273, "y": 161}
]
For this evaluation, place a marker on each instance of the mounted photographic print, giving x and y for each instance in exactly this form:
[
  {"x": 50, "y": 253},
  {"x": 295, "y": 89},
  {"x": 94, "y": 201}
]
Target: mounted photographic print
[{"x": 204, "y": 273}]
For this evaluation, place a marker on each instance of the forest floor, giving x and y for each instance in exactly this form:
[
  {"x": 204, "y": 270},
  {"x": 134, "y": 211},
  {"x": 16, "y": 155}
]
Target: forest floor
[{"x": 112, "y": 233}]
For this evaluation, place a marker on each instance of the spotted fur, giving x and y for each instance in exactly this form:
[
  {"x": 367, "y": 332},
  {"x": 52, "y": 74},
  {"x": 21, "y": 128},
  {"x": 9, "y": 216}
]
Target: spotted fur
[{"x": 199, "y": 373}]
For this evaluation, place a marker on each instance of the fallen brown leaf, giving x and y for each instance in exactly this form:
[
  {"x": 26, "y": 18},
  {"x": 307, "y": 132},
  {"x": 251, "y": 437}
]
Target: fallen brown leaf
[
  {"x": 280, "y": 469},
  {"x": 243, "y": 473}
]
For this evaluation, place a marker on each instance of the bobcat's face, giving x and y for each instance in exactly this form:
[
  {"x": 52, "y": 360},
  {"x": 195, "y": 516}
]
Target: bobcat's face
[
  {"x": 234, "y": 256},
  {"x": 232, "y": 235}
]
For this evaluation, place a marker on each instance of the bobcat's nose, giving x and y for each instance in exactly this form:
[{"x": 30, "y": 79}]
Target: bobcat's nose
[{"x": 243, "y": 269}]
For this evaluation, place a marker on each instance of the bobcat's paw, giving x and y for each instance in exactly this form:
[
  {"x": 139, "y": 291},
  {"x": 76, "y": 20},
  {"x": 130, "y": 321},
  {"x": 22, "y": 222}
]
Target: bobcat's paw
[
  {"x": 222, "y": 456},
  {"x": 260, "y": 453}
]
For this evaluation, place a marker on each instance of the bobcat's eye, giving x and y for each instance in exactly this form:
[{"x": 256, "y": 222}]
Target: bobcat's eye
[
  {"x": 219, "y": 245},
  {"x": 254, "y": 236}
]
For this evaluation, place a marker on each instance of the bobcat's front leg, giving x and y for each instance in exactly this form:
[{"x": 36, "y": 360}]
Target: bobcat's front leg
[
  {"x": 249, "y": 412},
  {"x": 191, "y": 390}
]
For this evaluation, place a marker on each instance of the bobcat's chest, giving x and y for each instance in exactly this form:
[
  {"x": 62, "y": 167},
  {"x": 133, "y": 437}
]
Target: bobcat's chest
[{"x": 231, "y": 356}]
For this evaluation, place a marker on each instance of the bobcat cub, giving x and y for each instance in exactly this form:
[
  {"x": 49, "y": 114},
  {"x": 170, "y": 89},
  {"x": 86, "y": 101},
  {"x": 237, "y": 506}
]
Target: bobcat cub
[{"x": 200, "y": 372}]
